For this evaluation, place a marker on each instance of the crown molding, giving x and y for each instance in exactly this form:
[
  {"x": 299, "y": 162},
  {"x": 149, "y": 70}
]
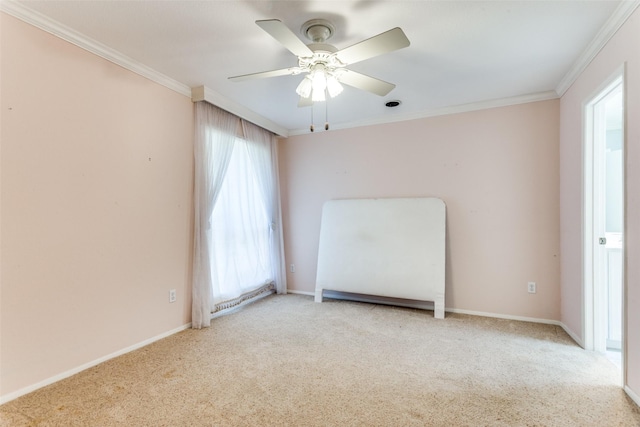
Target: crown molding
[
  {"x": 203, "y": 93},
  {"x": 457, "y": 109},
  {"x": 22, "y": 12},
  {"x": 613, "y": 24}
]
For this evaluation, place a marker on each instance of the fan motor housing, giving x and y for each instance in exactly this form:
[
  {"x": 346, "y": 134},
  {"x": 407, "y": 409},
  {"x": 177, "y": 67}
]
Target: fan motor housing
[
  {"x": 322, "y": 48},
  {"x": 317, "y": 30}
]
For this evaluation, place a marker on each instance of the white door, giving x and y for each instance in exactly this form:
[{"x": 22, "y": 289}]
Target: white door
[{"x": 604, "y": 218}]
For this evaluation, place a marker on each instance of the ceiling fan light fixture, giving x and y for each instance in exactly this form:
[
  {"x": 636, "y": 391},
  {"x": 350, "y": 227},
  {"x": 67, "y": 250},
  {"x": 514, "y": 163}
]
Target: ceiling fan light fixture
[
  {"x": 318, "y": 83},
  {"x": 304, "y": 88},
  {"x": 319, "y": 78},
  {"x": 318, "y": 95},
  {"x": 333, "y": 86}
]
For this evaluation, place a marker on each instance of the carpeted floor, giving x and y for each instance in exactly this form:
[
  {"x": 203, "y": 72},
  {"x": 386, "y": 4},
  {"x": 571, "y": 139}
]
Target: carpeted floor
[{"x": 287, "y": 361}]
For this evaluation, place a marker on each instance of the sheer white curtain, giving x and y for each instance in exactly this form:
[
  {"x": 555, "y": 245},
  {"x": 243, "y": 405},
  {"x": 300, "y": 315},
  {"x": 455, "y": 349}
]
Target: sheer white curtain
[
  {"x": 241, "y": 259},
  {"x": 238, "y": 244},
  {"x": 215, "y": 135},
  {"x": 262, "y": 150}
]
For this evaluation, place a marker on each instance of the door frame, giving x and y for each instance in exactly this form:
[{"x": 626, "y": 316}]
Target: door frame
[{"x": 593, "y": 330}]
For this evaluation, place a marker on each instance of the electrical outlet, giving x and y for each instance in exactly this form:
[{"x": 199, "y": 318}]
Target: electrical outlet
[
  {"x": 531, "y": 287},
  {"x": 292, "y": 268},
  {"x": 172, "y": 295}
]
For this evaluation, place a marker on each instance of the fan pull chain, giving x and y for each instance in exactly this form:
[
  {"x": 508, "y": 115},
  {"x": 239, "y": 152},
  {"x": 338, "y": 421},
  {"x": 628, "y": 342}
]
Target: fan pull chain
[
  {"x": 326, "y": 115},
  {"x": 311, "y": 127}
]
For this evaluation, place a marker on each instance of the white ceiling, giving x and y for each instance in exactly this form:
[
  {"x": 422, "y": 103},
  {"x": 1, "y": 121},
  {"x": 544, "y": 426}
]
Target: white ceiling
[{"x": 462, "y": 53}]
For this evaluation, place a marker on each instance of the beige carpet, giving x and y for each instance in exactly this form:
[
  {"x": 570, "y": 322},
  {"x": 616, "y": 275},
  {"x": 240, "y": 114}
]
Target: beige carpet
[{"x": 287, "y": 361}]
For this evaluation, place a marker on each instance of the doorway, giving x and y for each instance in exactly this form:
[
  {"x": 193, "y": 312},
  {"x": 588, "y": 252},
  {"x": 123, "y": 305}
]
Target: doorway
[{"x": 604, "y": 221}]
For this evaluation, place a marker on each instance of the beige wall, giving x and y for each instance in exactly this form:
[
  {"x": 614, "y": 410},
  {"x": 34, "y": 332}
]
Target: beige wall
[
  {"x": 96, "y": 177},
  {"x": 496, "y": 170},
  {"x": 96, "y": 183},
  {"x": 623, "y": 48}
]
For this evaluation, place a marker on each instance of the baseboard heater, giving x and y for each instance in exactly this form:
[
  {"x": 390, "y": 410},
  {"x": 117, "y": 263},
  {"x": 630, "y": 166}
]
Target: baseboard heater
[{"x": 391, "y": 248}]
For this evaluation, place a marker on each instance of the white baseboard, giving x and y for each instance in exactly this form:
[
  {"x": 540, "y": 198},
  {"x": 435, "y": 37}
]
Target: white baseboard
[
  {"x": 504, "y": 316},
  {"x": 632, "y": 395},
  {"x": 573, "y": 336},
  {"x": 293, "y": 291},
  {"x": 14, "y": 395},
  {"x": 429, "y": 306}
]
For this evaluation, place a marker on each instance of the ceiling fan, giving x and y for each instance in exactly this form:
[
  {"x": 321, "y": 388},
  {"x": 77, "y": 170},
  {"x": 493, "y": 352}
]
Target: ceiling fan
[{"x": 325, "y": 65}]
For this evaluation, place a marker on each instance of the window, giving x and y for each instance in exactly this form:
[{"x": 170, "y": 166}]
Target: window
[
  {"x": 241, "y": 260},
  {"x": 237, "y": 246}
]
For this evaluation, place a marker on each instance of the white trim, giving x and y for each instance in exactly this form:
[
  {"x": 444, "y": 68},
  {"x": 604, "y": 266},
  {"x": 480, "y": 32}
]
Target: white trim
[
  {"x": 429, "y": 306},
  {"x": 592, "y": 330},
  {"x": 587, "y": 228},
  {"x": 21, "y": 11},
  {"x": 475, "y": 106},
  {"x": 293, "y": 291},
  {"x": 632, "y": 395},
  {"x": 505, "y": 316},
  {"x": 203, "y": 93},
  {"x": 14, "y": 395},
  {"x": 24, "y": 13},
  {"x": 573, "y": 336},
  {"x": 613, "y": 24}
]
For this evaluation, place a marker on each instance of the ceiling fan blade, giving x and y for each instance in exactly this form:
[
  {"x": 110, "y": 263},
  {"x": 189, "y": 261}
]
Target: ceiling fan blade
[
  {"x": 285, "y": 36},
  {"x": 364, "y": 82},
  {"x": 305, "y": 102},
  {"x": 377, "y": 45},
  {"x": 266, "y": 74}
]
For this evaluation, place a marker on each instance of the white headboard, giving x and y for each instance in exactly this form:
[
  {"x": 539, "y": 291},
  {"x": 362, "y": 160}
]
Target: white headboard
[{"x": 384, "y": 247}]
